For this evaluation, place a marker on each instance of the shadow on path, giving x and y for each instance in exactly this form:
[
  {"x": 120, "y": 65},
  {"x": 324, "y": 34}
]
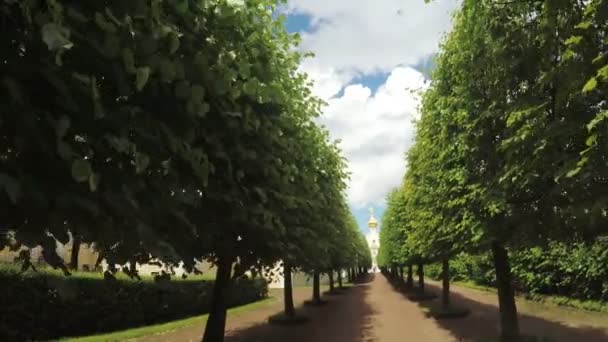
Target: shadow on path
[
  {"x": 483, "y": 325},
  {"x": 346, "y": 318}
]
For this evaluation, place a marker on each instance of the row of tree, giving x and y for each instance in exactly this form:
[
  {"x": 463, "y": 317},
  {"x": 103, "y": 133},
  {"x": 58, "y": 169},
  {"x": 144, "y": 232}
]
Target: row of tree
[
  {"x": 511, "y": 147},
  {"x": 175, "y": 130}
]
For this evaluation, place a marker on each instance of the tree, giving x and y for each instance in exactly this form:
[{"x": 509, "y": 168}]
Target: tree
[
  {"x": 496, "y": 159},
  {"x": 107, "y": 135}
]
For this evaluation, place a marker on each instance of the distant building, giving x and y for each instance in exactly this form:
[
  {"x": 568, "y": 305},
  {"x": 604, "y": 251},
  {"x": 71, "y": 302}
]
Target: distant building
[
  {"x": 87, "y": 256},
  {"x": 373, "y": 239}
]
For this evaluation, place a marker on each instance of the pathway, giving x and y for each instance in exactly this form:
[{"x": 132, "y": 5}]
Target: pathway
[{"x": 373, "y": 311}]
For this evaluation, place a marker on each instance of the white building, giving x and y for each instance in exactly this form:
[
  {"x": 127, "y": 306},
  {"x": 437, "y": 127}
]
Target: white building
[{"x": 373, "y": 240}]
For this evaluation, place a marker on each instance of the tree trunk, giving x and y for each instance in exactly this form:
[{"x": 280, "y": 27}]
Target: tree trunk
[
  {"x": 316, "y": 288},
  {"x": 410, "y": 276},
  {"x": 75, "y": 252},
  {"x": 340, "y": 285},
  {"x": 216, "y": 322},
  {"x": 331, "y": 280},
  {"x": 101, "y": 254},
  {"x": 350, "y": 275},
  {"x": 506, "y": 295},
  {"x": 288, "y": 291},
  {"x": 445, "y": 299},
  {"x": 421, "y": 277}
]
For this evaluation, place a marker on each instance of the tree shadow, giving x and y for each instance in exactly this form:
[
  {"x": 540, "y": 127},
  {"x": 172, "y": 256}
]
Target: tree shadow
[
  {"x": 365, "y": 279},
  {"x": 483, "y": 324},
  {"x": 346, "y": 318}
]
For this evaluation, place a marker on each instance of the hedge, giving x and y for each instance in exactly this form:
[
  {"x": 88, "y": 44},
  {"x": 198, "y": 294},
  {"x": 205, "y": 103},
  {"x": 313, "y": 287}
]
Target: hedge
[
  {"x": 42, "y": 306},
  {"x": 576, "y": 270}
]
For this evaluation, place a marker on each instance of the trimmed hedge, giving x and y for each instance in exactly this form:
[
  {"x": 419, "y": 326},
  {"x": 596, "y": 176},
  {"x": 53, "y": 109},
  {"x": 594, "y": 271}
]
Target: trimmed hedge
[
  {"x": 576, "y": 270},
  {"x": 41, "y": 306}
]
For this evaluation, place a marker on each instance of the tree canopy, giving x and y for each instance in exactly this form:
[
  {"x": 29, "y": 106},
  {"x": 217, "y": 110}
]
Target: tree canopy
[
  {"x": 177, "y": 130},
  {"x": 508, "y": 150}
]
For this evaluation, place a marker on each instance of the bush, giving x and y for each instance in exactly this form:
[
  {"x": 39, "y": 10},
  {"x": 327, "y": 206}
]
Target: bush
[
  {"x": 576, "y": 270},
  {"x": 36, "y": 306},
  {"x": 465, "y": 267}
]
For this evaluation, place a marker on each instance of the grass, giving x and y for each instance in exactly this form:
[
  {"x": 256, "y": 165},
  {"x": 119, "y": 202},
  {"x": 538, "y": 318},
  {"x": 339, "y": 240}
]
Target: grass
[
  {"x": 166, "y": 327},
  {"x": 589, "y": 305}
]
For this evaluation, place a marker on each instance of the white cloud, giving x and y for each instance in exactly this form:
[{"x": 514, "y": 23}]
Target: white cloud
[
  {"x": 375, "y": 131},
  {"x": 366, "y": 36},
  {"x": 354, "y": 38}
]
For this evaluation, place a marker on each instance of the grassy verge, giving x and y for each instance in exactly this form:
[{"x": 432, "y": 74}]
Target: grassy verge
[
  {"x": 166, "y": 327},
  {"x": 589, "y": 305}
]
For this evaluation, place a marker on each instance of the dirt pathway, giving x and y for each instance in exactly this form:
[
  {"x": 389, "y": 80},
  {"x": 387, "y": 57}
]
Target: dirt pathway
[
  {"x": 555, "y": 323},
  {"x": 374, "y": 311}
]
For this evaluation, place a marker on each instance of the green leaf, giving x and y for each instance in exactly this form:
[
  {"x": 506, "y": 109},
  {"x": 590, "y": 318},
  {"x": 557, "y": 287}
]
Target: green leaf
[
  {"x": 236, "y": 3},
  {"x": 574, "y": 40},
  {"x": 11, "y": 187},
  {"x": 591, "y": 140},
  {"x": 94, "y": 179},
  {"x": 81, "y": 170},
  {"x": 167, "y": 70},
  {"x": 61, "y": 126},
  {"x": 14, "y": 89},
  {"x": 598, "y": 58},
  {"x": 129, "y": 60},
  {"x": 590, "y": 85},
  {"x": 261, "y": 193},
  {"x": 182, "y": 90},
  {"x": 181, "y": 6},
  {"x": 65, "y": 151},
  {"x": 584, "y": 25},
  {"x": 141, "y": 162},
  {"x": 573, "y": 172},
  {"x": 602, "y": 73},
  {"x": 204, "y": 109},
  {"x": 173, "y": 43},
  {"x": 598, "y": 118},
  {"x": 56, "y": 37},
  {"x": 251, "y": 87},
  {"x": 198, "y": 93},
  {"x": 141, "y": 77},
  {"x": 568, "y": 55}
]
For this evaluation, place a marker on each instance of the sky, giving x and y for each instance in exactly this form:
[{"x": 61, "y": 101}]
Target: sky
[{"x": 372, "y": 60}]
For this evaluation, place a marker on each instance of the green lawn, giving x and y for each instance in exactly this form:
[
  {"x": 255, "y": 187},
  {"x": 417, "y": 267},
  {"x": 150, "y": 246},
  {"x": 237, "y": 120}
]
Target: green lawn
[
  {"x": 589, "y": 305},
  {"x": 165, "y": 327}
]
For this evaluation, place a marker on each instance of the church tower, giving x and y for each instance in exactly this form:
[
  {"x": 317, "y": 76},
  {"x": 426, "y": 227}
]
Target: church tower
[{"x": 373, "y": 239}]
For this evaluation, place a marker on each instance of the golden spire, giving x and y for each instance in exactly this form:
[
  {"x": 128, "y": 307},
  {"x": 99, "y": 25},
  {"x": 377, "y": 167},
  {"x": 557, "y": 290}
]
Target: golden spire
[{"x": 372, "y": 223}]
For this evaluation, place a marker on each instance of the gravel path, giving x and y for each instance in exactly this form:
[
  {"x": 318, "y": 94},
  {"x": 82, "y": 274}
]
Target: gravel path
[{"x": 374, "y": 311}]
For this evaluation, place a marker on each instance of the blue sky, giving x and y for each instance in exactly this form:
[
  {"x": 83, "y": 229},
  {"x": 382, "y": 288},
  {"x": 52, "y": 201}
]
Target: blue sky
[{"x": 368, "y": 54}]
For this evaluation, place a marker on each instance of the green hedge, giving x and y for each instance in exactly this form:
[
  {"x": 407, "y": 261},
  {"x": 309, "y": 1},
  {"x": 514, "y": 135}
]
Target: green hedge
[
  {"x": 575, "y": 270},
  {"x": 40, "y": 306}
]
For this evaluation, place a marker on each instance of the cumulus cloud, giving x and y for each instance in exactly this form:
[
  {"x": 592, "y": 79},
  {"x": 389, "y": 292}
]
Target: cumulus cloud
[
  {"x": 375, "y": 132},
  {"x": 365, "y": 36},
  {"x": 353, "y": 39}
]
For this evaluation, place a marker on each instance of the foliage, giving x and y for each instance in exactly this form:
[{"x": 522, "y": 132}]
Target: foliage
[
  {"x": 573, "y": 270},
  {"x": 175, "y": 130},
  {"x": 45, "y": 306},
  {"x": 510, "y": 148},
  {"x": 141, "y": 332}
]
